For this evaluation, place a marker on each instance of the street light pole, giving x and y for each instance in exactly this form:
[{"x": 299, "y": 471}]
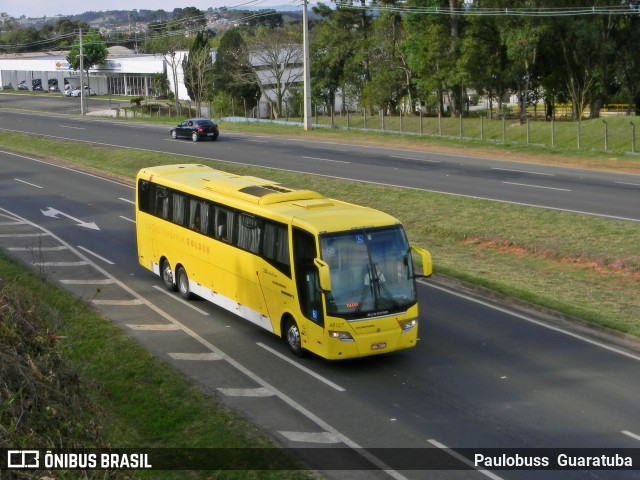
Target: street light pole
[
  {"x": 81, "y": 76},
  {"x": 307, "y": 73}
]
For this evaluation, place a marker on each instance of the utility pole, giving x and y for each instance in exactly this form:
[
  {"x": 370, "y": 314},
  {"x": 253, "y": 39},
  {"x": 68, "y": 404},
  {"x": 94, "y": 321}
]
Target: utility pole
[
  {"x": 81, "y": 76},
  {"x": 307, "y": 73}
]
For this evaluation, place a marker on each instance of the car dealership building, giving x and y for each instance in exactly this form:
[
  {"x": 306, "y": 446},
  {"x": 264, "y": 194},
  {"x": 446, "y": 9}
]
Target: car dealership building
[{"x": 123, "y": 73}]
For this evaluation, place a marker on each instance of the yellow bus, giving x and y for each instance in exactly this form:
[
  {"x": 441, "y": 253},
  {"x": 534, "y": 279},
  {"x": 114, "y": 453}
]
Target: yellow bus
[{"x": 327, "y": 276}]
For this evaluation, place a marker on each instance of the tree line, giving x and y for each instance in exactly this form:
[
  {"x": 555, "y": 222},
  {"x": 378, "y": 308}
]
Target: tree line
[{"x": 394, "y": 56}]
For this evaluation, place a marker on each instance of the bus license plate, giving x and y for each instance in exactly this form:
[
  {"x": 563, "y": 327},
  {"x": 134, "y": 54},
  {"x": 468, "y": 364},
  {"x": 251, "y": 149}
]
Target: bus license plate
[{"x": 378, "y": 346}]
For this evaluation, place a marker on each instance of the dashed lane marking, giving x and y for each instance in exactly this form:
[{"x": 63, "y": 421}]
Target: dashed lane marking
[
  {"x": 155, "y": 327},
  {"x": 95, "y": 255},
  {"x": 23, "y": 235},
  {"x": 310, "y": 437},
  {"x": 98, "y": 281},
  {"x": 632, "y": 435},
  {"x": 208, "y": 356},
  {"x": 246, "y": 392},
  {"x": 464, "y": 460},
  {"x": 304, "y": 369},
  {"x": 134, "y": 301},
  {"x": 59, "y": 264},
  {"x": 38, "y": 249}
]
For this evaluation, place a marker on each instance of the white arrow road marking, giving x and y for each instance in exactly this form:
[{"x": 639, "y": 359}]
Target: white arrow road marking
[{"x": 53, "y": 213}]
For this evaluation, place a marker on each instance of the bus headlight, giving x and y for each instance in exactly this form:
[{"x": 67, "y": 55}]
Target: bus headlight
[
  {"x": 408, "y": 325},
  {"x": 342, "y": 336}
]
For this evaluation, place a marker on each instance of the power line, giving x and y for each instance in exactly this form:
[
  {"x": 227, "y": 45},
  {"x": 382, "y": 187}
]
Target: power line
[{"x": 472, "y": 11}]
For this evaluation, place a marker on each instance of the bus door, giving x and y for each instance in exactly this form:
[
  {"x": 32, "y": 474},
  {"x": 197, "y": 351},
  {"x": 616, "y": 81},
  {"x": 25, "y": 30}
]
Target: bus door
[{"x": 309, "y": 293}]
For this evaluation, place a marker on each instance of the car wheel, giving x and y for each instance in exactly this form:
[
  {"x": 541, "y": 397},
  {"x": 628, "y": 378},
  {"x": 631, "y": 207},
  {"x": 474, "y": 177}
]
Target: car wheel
[
  {"x": 214, "y": 138},
  {"x": 174, "y": 135},
  {"x": 292, "y": 337},
  {"x": 194, "y": 136},
  {"x": 183, "y": 284},
  {"x": 167, "y": 276}
]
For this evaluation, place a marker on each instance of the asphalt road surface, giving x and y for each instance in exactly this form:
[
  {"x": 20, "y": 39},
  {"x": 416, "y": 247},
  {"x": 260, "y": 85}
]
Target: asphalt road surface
[
  {"x": 484, "y": 374},
  {"x": 611, "y": 195}
]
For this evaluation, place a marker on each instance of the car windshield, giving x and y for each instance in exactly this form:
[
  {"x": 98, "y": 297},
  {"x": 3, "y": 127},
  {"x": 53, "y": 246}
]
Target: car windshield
[{"x": 371, "y": 272}]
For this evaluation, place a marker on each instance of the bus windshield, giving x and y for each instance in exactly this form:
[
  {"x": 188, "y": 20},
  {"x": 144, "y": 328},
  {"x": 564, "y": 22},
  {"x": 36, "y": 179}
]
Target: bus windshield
[{"x": 371, "y": 272}]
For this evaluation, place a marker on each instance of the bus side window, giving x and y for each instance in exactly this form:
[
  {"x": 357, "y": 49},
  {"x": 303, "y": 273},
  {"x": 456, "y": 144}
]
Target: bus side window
[
  {"x": 144, "y": 196},
  {"x": 162, "y": 202},
  {"x": 179, "y": 204},
  {"x": 224, "y": 225},
  {"x": 275, "y": 246}
]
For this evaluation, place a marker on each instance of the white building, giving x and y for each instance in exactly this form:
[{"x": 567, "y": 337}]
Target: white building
[{"x": 123, "y": 73}]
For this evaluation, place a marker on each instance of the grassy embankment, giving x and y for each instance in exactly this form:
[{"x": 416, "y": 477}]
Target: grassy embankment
[
  {"x": 580, "y": 265},
  {"x": 69, "y": 378}
]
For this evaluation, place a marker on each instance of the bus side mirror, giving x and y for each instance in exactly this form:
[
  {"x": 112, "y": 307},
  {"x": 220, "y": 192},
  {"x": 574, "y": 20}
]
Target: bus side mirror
[
  {"x": 324, "y": 275},
  {"x": 425, "y": 256}
]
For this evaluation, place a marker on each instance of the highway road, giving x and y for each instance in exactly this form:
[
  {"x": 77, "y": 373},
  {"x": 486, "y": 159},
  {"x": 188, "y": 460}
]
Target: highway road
[
  {"x": 484, "y": 374},
  {"x": 611, "y": 195}
]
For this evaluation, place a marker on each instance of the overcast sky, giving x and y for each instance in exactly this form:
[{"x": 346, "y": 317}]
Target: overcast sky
[{"x": 50, "y": 8}]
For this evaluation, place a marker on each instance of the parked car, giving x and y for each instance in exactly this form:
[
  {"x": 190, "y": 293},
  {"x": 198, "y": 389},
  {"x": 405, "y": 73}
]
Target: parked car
[
  {"x": 196, "y": 129},
  {"x": 23, "y": 85},
  {"x": 76, "y": 92}
]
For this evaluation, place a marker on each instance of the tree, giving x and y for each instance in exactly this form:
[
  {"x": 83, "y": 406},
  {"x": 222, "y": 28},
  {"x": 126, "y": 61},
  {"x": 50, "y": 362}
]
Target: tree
[
  {"x": 169, "y": 46},
  {"x": 332, "y": 53},
  {"x": 198, "y": 71},
  {"x": 229, "y": 75},
  {"x": 94, "y": 52}
]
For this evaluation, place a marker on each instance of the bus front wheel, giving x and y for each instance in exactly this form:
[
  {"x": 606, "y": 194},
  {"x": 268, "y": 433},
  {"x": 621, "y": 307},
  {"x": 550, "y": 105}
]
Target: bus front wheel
[
  {"x": 183, "y": 283},
  {"x": 292, "y": 337},
  {"x": 167, "y": 276}
]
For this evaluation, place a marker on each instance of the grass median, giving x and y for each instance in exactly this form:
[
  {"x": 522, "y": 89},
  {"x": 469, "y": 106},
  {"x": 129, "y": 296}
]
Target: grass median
[{"x": 581, "y": 265}]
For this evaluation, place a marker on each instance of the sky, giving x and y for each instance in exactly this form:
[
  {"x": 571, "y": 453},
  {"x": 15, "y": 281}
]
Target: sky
[{"x": 41, "y": 8}]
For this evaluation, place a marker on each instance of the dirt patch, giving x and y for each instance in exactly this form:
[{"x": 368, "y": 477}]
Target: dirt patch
[{"x": 618, "y": 266}]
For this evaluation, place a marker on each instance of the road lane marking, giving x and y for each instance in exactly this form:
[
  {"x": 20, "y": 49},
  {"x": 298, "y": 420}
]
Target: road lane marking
[
  {"x": 71, "y": 126},
  {"x": 523, "y": 171},
  {"x": 22, "y": 235},
  {"x": 37, "y": 249},
  {"x": 27, "y": 183},
  {"x": 200, "y": 357},
  {"x": 628, "y": 183},
  {"x": 127, "y": 219},
  {"x": 417, "y": 159},
  {"x": 101, "y": 281},
  {"x": 95, "y": 255},
  {"x": 181, "y": 300},
  {"x": 531, "y": 320},
  {"x": 463, "y": 459},
  {"x": 59, "y": 264},
  {"x": 157, "y": 327},
  {"x": 127, "y": 200},
  {"x": 120, "y": 303},
  {"x": 632, "y": 435},
  {"x": 246, "y": 392},
  {"x": 304, "y": 369},
  {"x": 537, "y": 186},
  {"x": 310, "y": 437},
  {"x": 325, "y": 159}
]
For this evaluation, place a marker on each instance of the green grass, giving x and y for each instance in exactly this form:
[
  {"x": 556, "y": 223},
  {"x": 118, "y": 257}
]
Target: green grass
[
  {"x": 581, "y": 265},
  {"x": 134, "y": 399}
]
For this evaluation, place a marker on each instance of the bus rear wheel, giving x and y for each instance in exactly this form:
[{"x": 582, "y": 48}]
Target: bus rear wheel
[
  {"x": 183, "y": 283},
  {"x": 167, "y": 276},
  {"x": 292, "y": 337}
]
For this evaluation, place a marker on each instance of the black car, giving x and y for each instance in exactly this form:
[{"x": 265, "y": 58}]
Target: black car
[{"x": 196, "y": 129}]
